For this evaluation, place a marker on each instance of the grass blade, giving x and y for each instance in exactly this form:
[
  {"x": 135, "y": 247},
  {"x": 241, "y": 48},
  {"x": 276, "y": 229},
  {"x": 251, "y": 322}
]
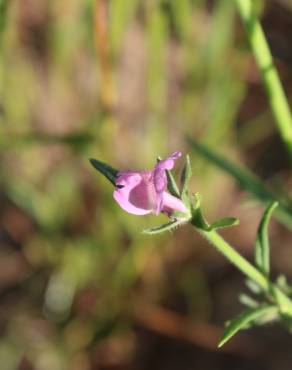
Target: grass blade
[
  {"x": 262, "y": 245},
  {"x": 246, "y": 180},
  {"x": 243, "y": 320}
]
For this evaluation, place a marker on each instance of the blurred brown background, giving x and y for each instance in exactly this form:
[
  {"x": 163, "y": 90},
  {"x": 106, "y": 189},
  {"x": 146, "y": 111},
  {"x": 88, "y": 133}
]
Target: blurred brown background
[{"x": 125, "y": 81}]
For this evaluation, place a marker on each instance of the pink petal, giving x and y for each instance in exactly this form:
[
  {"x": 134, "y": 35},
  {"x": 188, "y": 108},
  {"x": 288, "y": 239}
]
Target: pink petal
[
  {"x": 172, "y": 203},
  {"x": 159, "y": 175},
  {"x": 160, "y": 178},
  {"x": 168, "y": 163},
  {"x": 132, "y": 193},
  {"x": 143, "y": 192},
  {"x": 159, "y": 203}
]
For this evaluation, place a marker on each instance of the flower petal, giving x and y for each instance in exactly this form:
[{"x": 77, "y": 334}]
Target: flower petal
[
  {"x": 144, "y": 192},
  {"x": 168, "y": 163},
  {"x": 132, "y": 193},
  {"x": 160, "y": 178},
  {"x": 171, "y": 203}
]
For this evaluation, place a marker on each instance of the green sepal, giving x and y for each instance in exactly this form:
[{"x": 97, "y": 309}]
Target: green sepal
[
  {"x": 253, "y": 287},
  {"x": 171, "y": 184},
  {"x": 262, "y": 245},
  {"x": 185, "y": 178},
  {"x": 246, "y": 319},
  {"x": 162, "y": 228},
  {"x": 107, "y": 171},
  {"x": 198, "y": 220}
]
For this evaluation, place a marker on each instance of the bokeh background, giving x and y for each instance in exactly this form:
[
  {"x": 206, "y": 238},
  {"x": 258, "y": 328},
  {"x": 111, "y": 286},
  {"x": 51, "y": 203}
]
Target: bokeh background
[{"x": 124, "y": 81}]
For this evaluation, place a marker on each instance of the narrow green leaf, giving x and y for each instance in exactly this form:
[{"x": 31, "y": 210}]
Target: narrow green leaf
[
  {"x": 253, "y": 287},
  {"x": 171, "y": 184},
  {"x": 282, "y": 283},
  {"x": 224, "y": 222},
  {"x": 106, "y": 170},
  {"x": 246, "y": 318},
  {"x": 248, "y": 301},
  {"x": 200, "y": 222},
  {"x": 161, "y": 228},
  {"x": 268, "y": 317},
  {"x": 186, "y": 176},
  {"x": 262, "y": 245},
  {"x": 164, "y": 227},
  {"x": 246, "y": 179}
]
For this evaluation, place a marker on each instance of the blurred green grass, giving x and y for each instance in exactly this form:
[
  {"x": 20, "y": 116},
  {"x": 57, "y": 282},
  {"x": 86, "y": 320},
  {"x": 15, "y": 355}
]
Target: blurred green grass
[{"x": 123, "y": 82}]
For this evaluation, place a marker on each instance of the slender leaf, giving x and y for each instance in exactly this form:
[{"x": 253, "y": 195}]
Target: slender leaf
[
  {"x": 246, "y": 318},
  {"x": 253, "y": 287},
  {"x": 171, "y": 184},
  {"x": 165, "y": 227},
  {"x": 262, "y": 245},
  {"x": 248, "y": 301},
  {"x": 200, "y": 222},
  {"x": 283, "y": 284},
  {"x": 224, "y": 222},
  {"x": 106, "y": 170},
  {"x": 246, "y": 179}
]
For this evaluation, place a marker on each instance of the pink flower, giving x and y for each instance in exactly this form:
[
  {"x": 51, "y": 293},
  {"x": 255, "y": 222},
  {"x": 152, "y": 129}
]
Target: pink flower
[{"x": 143, "y": 192}]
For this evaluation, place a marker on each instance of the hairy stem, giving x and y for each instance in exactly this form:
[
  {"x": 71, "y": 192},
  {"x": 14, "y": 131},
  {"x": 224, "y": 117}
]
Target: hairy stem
[
  {"x": 284, "y": 303},
  {"x": 274, "y": 89}
]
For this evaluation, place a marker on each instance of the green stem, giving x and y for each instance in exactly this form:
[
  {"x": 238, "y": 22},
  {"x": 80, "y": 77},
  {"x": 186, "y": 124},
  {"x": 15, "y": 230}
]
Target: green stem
[
  {"x": 284, "y": 302},
  {"x": 235, "y": 258},
  {"x": 274, "y": 89}
]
